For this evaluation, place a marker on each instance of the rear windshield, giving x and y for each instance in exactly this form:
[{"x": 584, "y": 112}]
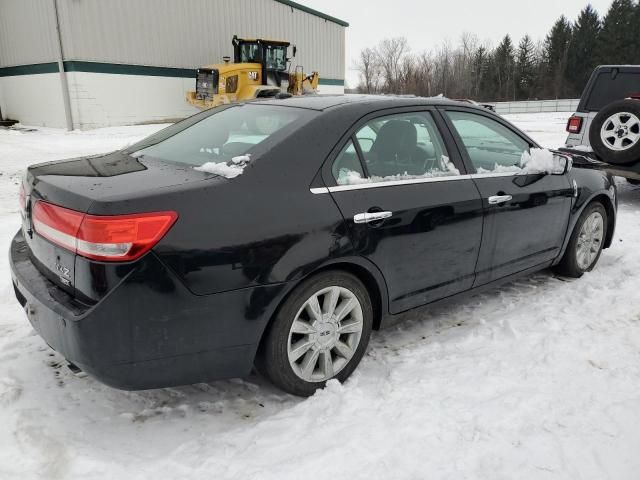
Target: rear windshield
[
  {"x": 221, "y": 134},
  {"x": 609, "y": 87}
]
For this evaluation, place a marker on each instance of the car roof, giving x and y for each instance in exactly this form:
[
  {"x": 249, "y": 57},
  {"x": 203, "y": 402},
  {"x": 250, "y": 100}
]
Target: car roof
[{"x": 324, "y": 102}]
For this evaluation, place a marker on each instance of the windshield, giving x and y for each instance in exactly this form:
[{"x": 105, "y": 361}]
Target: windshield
[{"x": 222, "y": 134}]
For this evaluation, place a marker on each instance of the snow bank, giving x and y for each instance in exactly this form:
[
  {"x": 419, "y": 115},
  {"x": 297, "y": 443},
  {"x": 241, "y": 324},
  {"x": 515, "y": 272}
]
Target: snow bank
[{"x": 536, "y": 379}]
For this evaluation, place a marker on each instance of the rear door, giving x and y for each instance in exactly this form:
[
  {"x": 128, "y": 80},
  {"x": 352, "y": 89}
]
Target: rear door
[
  {"x": 526, "y": 215},
  {"x": 408, "y": 204}
]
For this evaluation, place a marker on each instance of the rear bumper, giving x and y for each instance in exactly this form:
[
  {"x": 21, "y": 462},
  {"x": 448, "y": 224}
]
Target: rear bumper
[{"x": 149, "y": 331}]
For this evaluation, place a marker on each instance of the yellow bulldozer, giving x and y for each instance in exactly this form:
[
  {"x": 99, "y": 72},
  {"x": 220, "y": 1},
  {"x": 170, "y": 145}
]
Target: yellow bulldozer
[{"x": 260, "y": 69}]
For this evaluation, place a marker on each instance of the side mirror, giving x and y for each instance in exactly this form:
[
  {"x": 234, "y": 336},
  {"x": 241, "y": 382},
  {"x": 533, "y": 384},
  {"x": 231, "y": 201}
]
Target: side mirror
[
  {"x": 295, "y": 50},
  {"x": 561, "y": 164}
]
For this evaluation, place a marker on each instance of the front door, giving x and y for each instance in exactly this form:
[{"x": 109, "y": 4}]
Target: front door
[
  {"x": 526, "y": 214},
  {"x": 408, "y": 207}
]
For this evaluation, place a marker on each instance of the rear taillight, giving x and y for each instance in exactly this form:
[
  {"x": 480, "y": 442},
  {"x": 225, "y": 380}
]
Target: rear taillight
[
  {"x": 574, "y": 125},
  {"x": 101, "y": 237}
]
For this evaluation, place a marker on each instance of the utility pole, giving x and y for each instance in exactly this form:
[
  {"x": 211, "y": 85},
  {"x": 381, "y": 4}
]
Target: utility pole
[{"x": 63, "y": 76}]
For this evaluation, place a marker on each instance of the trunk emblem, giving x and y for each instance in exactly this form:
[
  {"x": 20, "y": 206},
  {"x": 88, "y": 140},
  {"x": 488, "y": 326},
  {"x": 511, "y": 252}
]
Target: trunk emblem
[{"x": 62, "y": 270}]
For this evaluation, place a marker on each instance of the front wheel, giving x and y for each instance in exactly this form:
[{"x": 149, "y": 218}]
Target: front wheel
[
  {"x": 586, "y": 242},
  {"x": 319, "y": 333}
]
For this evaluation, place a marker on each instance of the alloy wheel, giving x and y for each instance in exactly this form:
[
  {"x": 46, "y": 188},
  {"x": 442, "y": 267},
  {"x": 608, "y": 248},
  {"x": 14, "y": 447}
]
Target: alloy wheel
[
  {"x": 620, "y": 131},
  {"x": 325, "y": 334},
  {"x": 589, "y": 240}
]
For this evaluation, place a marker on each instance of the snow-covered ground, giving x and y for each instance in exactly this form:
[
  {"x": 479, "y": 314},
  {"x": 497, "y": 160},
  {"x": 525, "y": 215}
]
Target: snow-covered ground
[{"x": 538, "y": 379}]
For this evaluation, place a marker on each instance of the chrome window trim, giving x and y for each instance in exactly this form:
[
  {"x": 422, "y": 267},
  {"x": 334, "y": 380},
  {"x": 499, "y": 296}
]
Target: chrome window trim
[
  {"x": 497, "y": 174},
  {"x": 411, "y": 181}
]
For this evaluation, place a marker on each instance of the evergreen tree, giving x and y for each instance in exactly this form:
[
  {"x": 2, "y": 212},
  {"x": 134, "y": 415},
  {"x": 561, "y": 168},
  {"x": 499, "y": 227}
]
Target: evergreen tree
[
  {"x": 556, "y": 50},
  {"x": 479, "y": 65},
  {"x": 525, "y": 69},
  {"x": 618, "y": 39},
  {"x": 584, "y": 43},
  {"x": 504, "y": 69}
]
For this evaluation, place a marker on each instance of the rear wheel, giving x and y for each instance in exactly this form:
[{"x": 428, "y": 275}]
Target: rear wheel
[
  {"x": 586, "y": 242},
  {"x": 320, "y": 332},
  {"x": 615, "y": 133}
]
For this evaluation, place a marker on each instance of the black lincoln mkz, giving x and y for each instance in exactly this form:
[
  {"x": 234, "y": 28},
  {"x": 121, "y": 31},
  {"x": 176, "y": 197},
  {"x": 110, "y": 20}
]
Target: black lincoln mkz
[{"x": 279, "y": 233}]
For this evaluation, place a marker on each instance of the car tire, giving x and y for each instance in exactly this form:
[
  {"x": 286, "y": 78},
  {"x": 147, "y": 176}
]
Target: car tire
[
  {"x": 611, "y": 147},
  {"x": 586, "y": 242},
  {"x": 321, "y": 346}
]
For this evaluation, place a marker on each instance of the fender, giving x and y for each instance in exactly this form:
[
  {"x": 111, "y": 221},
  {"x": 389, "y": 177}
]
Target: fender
[{"x": 586, "y": 194}]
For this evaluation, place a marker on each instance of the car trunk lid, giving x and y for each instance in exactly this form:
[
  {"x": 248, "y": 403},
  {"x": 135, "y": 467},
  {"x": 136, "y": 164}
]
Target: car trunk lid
[{"x": 117, "y": 183}]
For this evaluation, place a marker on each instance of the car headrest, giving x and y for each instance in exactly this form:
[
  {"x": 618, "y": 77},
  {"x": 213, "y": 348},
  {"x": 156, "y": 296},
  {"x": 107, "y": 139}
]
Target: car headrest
[{"x": 396, "y": 137}]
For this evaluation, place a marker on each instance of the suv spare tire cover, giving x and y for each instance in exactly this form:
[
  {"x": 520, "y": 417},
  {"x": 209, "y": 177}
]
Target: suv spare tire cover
[{"x": 625, "y": 126}]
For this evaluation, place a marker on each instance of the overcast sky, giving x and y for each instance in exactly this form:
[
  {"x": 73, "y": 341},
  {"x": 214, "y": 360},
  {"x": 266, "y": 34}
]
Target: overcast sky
[{"x": 426, "y": 23}]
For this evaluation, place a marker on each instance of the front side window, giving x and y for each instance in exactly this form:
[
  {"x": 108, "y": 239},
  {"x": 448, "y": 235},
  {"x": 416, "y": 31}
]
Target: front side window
[
  {"x": 491, "y": 146},
  {"x": 396, "y": 147},
  {"x": 250, "y": 53},
  {"x": 222, "y": 135},
  {"x": 276, "y": 58}
]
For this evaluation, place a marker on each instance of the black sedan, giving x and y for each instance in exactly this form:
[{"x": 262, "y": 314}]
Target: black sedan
[{"x": 280, "y": 233}]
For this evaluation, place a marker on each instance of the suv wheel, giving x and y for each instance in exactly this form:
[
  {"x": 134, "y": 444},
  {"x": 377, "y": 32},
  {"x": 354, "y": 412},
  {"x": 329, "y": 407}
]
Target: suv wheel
[
  {"x": 615, "y": 132},
  {"x": 319, "y": 333}
]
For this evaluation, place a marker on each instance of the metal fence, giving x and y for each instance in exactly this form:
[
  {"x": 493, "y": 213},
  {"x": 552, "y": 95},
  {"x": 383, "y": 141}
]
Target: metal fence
[{"x": 537, "y": 106}]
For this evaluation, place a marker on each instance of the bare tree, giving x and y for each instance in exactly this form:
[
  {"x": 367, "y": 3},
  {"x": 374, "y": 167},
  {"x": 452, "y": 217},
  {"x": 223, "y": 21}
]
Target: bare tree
[
  {"x": 369, "y": 69},
  {"x": 390, "y": 54}
]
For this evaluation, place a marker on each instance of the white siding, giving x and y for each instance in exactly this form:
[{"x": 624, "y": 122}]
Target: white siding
[
  {"x": 33, "y": 99},
  {"x": 101, "y": 100},
  {"x": 161, "y": 33},
  {"x": 27, "y": 32},
  {"x": 189, "y": 33}
]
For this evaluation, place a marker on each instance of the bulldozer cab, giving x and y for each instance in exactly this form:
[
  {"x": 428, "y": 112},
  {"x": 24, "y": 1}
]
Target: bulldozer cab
[
  {"x": 271, "y": 54},
  {"x": 260, "y": 69}
]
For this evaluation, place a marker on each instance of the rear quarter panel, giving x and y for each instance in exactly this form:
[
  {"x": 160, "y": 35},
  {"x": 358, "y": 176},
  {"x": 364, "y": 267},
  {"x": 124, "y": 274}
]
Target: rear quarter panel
[{"x": 264, "y": 226}]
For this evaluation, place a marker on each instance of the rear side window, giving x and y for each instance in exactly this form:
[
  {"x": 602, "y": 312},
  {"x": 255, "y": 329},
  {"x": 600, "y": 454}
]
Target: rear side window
[
  {"x": 394, "y": 147},
  {"x": 491, "y": 146},
  {"x": 224, "y": 134},
  {"x": 611, "y": 86}
]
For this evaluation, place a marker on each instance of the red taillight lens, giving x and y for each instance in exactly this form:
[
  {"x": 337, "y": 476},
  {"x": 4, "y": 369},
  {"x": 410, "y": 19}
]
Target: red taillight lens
[
  {"x": 101, "y": 237},
  {"x": 574, "y": 125}
]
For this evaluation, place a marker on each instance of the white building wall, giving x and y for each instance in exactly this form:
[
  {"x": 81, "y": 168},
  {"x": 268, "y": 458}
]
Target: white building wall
[
  {"x": 191, "y": 33},
  {"x": 33, "y": 99},
  {"x": 131, "y": 33},
  {"x": 100, "y": 99}
]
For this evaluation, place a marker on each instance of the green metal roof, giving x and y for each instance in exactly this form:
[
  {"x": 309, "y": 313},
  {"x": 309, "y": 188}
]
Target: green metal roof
[{"x": 302, "y": 8}]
